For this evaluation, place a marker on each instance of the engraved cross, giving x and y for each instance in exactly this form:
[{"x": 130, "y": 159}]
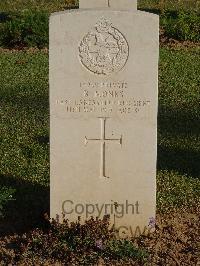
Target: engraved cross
[{"x": 103, "y": 140}]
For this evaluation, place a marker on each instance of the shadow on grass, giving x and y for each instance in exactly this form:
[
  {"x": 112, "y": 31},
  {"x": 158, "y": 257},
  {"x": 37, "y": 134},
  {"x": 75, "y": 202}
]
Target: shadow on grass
[
  {"x": 71, "y": 6},
  {"x": 183, "y": 161},
  {"x": 4, "y": 17},
  {"x": 42, "y": 140},
  {"x": 184, "y": 125},
  {"x": 151, "y": 10},
  {"x": 27, "y": 210},
  {"x": 35, "y": 102}
]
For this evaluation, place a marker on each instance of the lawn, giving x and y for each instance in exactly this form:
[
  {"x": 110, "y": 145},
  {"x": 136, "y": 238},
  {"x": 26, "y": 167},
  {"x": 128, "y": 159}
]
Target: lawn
[
  {"x": 26, "y": 23},
  {"x": 24, "y": 126},
  {"x": 24, "y": 139},
  {"x": 24, "y": 145},
  {"x": 46, "y": 5},
  {"x": 55, "y": 5}
]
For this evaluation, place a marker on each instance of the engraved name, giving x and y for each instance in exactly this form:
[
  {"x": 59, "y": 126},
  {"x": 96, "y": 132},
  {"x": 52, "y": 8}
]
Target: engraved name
[{"x": 103, "y": 98}]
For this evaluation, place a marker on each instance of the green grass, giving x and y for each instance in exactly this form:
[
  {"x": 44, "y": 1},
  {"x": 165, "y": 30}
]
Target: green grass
[
  {"x": 24, "y": 23},
  {"x": 179, "y": 129},
  {"x": 57, "y": 5},
  {"x": 29, "y": 28},
  {"x": 24, "y": 126},
  {"x": 46, "y": 5},
  {"x": 162, "y": 5},
  {"x": 24, "y": 116},
  {"x": 179, "y": 112}
]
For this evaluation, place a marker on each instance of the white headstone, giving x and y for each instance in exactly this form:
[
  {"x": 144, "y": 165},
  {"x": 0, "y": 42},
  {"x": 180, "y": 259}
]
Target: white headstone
[
  {"x": 118, "y": 4},
  {"x": 103, "y": 109},
  {"x": 93, "y": 3}
]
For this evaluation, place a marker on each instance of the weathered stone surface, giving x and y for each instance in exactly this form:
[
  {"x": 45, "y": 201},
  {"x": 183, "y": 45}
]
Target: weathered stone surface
[
  {"x": 123, "y": 4},
  {"x": 93, "y": 3},
  {"x": 103, "y": 102},
  {"x": 116, "y": 4}
]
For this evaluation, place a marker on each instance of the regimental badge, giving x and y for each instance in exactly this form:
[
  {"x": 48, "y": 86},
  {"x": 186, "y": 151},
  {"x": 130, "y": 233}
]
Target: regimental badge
[{"x": 104, "y": 50}]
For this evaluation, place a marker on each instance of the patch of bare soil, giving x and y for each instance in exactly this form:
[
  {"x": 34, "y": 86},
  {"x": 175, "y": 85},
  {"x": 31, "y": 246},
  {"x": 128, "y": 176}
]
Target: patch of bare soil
[
  {"x": 165, "y": 41},
  {"x": 31, "y": 50},
  {"x": 173, "y": 43},
  {"x": 176, "y": 241}
]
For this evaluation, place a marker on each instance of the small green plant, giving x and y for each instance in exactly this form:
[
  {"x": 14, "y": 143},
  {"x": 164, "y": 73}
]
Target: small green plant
[
  {"x": 6, "y": 194},
  {"x": 68, "y": 243},
  {"x": 185, "y": 26},
  {"x": 29, "y": 29},
  {"x": 124, "y": 249}
]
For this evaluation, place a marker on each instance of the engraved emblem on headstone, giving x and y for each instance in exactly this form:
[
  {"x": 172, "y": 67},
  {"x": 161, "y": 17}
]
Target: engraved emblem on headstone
[
  {"x": 104, "y": 50},
  {"x": 103, "y": 140}
]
